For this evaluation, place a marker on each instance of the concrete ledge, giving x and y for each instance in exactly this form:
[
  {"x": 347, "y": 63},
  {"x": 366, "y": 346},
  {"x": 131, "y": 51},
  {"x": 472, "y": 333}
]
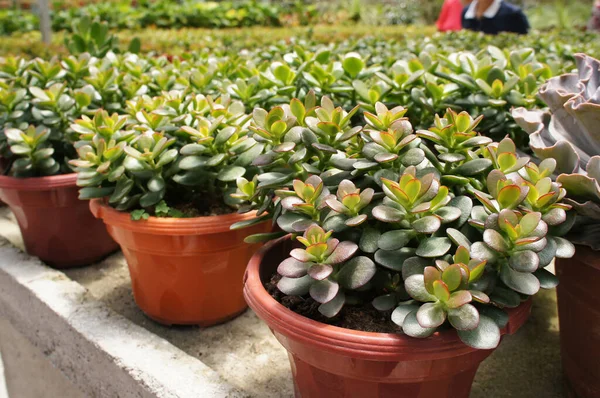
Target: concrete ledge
[{"x": 101, "y": 352}]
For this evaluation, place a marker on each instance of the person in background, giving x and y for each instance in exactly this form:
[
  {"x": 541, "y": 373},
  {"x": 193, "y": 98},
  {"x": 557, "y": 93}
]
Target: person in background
[
  {"x": 494, "y": 16},
  {"x": 451, "y": 16},
  {"x": 594, "y": 23}
]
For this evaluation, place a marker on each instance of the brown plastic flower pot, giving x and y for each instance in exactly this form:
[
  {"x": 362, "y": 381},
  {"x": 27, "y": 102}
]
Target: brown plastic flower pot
[
  {"x": 579, "y": 318},
  {"x": 56, "y": 226},
  {"x": 185, "y": 271},
  {"x": 329, "y": 361}
]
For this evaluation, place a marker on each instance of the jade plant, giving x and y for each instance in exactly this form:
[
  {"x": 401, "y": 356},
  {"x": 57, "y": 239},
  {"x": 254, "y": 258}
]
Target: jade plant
[
  {"x": 567, "y": 132},
  {"x": 178, "y": 154},
  {"x": 437, "y": 228}
]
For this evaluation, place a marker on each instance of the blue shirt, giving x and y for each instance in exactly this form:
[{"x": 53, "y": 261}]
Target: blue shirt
[{"x": 509, "y": 18}]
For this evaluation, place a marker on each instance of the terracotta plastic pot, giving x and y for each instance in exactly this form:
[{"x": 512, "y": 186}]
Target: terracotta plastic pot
[
  {"x": 329, "y": 361},
  {"x": 56, "y": 226},
  {"x": 184, "y": 271},
  {"x": 579, "y": 318}
]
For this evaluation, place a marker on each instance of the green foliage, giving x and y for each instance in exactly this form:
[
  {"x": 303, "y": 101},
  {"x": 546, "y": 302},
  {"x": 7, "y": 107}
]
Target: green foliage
[{"x": 390, "y": 215}]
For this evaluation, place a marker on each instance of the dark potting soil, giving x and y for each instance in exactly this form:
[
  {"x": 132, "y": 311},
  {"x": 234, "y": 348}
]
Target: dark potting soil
[{"x": 362, "y": 317}]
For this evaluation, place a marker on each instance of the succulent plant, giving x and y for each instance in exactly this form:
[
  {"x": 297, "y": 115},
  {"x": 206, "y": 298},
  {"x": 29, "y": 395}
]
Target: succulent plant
[
  {"x": 172, "y": 150},
  {"x": 567, "y": 133},
  {"x": 440, "y": 227}
]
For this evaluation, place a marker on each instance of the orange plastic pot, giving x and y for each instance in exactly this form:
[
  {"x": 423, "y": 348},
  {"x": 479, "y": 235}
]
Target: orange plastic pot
[
  {"x": 56, "y": 226},
  {"x": 579, "y": 318},
  {"x": 329, "y": 361},
  {"x": 184, "y": 271}
]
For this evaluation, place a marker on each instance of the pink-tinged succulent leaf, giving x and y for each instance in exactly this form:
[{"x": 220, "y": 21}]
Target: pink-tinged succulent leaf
[
  {"x": 430, "y": 275},
  {"x": 462, "y": 255},
  {"x": 387, "y": 214},
  {"x": 336, "y": 206},
  {"x": 476, "y": 268},
  {"x": 295, "y": 286},
  {"x": 346, "y": 187},
  {"x": 564, "y": 248},
  {"x": 485, "y": 336},
  {"x": 356, "y": 221},
  {"x": 356, "y": 273},
  {"x": 333, "y": 307},
  {"x": 400, "y": 313},
  {"x": 427, "y": 225},
  {"x": 290, "y": 202},
  {"x": 480, "y": 297},
  {"x": 510, "y": 196},
  {"x": 320, "y": 271},
  {"x": 441, "y": 291},
  {"x": 415, "y": 287},
  {"x": 465, "y": 317},
  {"x": 324, "y": 291},
  {"x": 365, "y": 197},
  {"x": 495, "y": 240},
  {"x": 292, "y": 268},
  {"x": 431, "y": 315},
  {"x": 331, "y": 245},
  {"x": 302, "y": 255},
  {"x": 452, "y": 277},
  {"x": 459, "y": 298},
  {"x": 521, "y": 282},
  {"x": 529, "y": 223},
  {"x": 343, "y": 251},
  {"x": 411, "y": 327}
]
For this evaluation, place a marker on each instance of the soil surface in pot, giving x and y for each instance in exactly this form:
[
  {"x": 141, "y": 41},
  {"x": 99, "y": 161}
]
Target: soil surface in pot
[{"x": 363, "y": 317}]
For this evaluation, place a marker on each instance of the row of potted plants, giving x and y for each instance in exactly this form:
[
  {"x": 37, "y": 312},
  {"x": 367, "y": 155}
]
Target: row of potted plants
[{"x": 438, "y": 228}]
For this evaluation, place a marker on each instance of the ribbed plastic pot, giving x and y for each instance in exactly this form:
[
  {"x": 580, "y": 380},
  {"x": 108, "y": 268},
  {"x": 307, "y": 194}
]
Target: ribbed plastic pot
[
  {"x": 329, "y": 361},
  {"x": 56, "y": 226},
  {"x": 185, "y": 271},
  {"x": 578, "y": 295}
]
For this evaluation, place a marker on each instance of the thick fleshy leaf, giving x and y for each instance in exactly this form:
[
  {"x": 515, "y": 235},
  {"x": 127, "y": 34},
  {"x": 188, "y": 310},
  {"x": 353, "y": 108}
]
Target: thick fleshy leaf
[
  {"x": 496, "y": 314},
  {"x": 459, "y": 298},
  {"x": 522, "y": 282},
  {"x": 414, "y": 265},
  {"x": 564, "y": 248},
  {"x": 505, "y": 297},
  {"x": 485, "y": 336},
  {"x": 427, "y": 224},
  {"x": 415, "y": 287},
  {"x": 356, "y": 221},
  {"x": 453, "y": 276},
  {"x": 320, "y": 271},
  {"x": 400, "y": 313},
  {"x": 385, "y": 302},
  {"x": 464, "y": 317},
  {"x": 434, "y": 247},
  {"x": 301, "y": 255},
  {"x": 473, "y": 167},
  {"x": 465, "y": 205},
  {"x": 412, "y": 328},
  {"x": 458, "y": 238},
  {"x": 356, "y": 273},
  {"x": 448, "y": 214},
  {"x": 525, "y": 261},
  {"x": 292, "y": 268},
  {"x": 495, "y": 240},
  {"x": 343, "y": 251},
  {"x": 369, "y": 240},
  {"x": 431, "y": 315},
  {"x": 324, "y": 291},
  {"x": 394, "y": 240},
  {"x": 231, "y": 173},
  {"x": 387, "y": 214},
  {"x": 295, "y": 286},
  {"x": 393, "y": 259},
  {"x": 333, "y": 307},
  {"x": 547, "y": 279}
]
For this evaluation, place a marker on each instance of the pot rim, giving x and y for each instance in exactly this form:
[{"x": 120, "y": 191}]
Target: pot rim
[
  {"x": 358, "y": 344},
  {"x": 38, "y": 183},
  {"x": 168, "y": 225}
]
